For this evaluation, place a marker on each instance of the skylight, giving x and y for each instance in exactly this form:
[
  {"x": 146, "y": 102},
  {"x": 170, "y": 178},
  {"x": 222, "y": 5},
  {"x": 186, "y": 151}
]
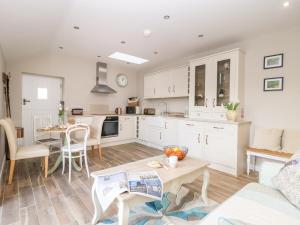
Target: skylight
[{"x": 128, "y": 58}]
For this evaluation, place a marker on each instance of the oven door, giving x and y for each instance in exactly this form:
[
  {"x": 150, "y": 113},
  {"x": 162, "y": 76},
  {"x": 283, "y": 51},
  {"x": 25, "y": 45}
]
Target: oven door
[{"x": 110, "y": 129}]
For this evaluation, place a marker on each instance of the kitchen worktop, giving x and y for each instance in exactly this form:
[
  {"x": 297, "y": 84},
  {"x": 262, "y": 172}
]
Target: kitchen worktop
[{"x": 171, "y": 117}]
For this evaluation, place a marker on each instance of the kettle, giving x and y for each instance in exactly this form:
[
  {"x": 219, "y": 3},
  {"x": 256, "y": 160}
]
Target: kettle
[{"x": 118, "y": 110}]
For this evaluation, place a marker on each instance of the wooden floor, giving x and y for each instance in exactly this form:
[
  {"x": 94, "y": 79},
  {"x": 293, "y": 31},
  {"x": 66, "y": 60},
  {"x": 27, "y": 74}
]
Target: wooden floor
[{"x": 31, "y": 199}]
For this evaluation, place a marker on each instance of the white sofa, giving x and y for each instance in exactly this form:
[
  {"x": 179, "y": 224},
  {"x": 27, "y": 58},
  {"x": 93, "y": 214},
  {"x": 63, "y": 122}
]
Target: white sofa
[{"x": 256, "y": 204}]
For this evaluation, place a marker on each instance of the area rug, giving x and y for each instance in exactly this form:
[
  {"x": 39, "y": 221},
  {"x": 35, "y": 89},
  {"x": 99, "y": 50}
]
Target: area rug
[{"x": 186, "y": 207}]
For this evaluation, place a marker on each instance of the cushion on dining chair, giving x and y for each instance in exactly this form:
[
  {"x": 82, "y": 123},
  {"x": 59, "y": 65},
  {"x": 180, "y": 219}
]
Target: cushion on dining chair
[{"x": 32, "y": 151}]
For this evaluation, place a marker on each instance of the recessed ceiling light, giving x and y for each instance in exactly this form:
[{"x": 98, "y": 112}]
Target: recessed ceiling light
[
  {"x": 128, "y": 63},
  {"x": 76, "y": 27},
  {"x": 155, "y": 52},
  {"x": 98, "y": 56},
  {"x": 286, "y": 4},
  {"x": 61, "y": 47},
  {"x": 166, "y": 17},
  {"x": 147, "y": 32},
  {"x": 127, "y": 58},
  {"x": 200, "y": 35},
  {"x": 123, "y": 42}
]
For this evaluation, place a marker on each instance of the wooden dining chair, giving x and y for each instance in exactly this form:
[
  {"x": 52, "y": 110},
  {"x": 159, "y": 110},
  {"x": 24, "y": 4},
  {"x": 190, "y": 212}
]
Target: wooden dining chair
[
  {"x": 77, "y": 150},
  {"x": 24, "y": 152}
]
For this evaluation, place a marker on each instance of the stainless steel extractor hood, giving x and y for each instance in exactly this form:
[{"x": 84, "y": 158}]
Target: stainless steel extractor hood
[{"x": 101, "y": 80}]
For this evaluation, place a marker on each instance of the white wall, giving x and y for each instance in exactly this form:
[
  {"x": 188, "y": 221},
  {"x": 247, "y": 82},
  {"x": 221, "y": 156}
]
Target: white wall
[
  {"x": 79, "y": 78},
  {"x": 265, "y": 109},
  {"x": 2, "y": 111}
]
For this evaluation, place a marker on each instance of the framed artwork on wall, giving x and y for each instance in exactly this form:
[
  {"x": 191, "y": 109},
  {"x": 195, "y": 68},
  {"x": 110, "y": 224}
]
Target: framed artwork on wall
[
  {"x": 273, "y": 61},
  {"x": 273, "y": 84}
]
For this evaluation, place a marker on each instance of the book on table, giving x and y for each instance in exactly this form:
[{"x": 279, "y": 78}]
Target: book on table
[{"x": 146, "y": 183}]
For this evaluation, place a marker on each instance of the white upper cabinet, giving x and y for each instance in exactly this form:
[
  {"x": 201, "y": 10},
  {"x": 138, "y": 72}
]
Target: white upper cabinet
[
  {"x": 214, "y": 81},
  {"x": 167, "y": 84}
]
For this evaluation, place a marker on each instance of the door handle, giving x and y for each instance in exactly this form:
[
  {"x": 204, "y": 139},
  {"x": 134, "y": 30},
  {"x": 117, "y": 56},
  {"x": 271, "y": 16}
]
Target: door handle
[
  {"x": 199, "y": 138},
  {"x": 174, "y": 88},
  {"x": 206, "y": 140},
  {"x": 169, "y": 89},
  {"x": 25, "y": 101}
]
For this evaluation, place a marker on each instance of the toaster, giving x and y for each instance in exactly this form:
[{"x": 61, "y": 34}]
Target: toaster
[
  {"x": 149, "y": 111},
  {"x": 77, "y": 111}
]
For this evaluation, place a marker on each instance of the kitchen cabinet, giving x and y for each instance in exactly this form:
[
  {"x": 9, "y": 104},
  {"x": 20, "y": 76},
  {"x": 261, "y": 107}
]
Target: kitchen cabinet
[
  {"x": 127, "y": 127},
  {"x": 190, "y": 134},
  {"x": 169, "y": 132},
  {"x": 214, "y": 81},
  {"x": 167, "y": 84}
]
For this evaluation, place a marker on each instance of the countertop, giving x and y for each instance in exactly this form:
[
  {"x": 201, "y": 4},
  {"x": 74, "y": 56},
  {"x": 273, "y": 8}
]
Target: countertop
[{"x": 171, "y": 117}]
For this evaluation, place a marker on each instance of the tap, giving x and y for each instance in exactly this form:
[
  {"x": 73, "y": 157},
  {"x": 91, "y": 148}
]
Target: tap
[{"x": 166, "y": 109}]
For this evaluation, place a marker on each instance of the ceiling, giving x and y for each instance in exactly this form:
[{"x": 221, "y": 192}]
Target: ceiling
[{"x": 32, "y": 27}]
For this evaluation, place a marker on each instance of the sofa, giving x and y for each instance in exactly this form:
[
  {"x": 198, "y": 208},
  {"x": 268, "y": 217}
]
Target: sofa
[{"x": 256, "y": 204}]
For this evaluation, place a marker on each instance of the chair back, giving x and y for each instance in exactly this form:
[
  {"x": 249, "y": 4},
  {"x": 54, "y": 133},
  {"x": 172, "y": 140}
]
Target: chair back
[
  {"x": 41, "y": 121},
  {"x": 11, "y": 135},
  {"x": 96, "y": 127},
  {"x": 81, "y": 128}
]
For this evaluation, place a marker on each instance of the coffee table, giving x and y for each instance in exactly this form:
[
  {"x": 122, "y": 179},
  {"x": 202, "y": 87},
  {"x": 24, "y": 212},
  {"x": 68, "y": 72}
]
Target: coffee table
[{"x": 187, "y": 171}]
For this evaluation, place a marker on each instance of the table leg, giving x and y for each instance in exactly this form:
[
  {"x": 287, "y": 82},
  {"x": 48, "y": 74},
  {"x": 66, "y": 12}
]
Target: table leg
[
  {"x": 97, "y": 206},
  {"x": 75, "y": 165},
  {"x": 123, "y": 213},
  {"x": 248, "y": 163},
  {"x": 205, "y": 186},
  {"x": 56, "y": 164}
]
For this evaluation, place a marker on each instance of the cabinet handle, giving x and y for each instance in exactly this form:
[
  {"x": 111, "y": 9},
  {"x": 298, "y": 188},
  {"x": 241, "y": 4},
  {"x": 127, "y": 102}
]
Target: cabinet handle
[
  {"x": 169, "y": 89},
  {"x": 165, "y": 125},
  {"x": 199, "y": 138},
  {"x": 160, "y": 136},
  {"x": 214, "y": 103},
  {"x": 205, "y": 102},
  {"x": 174, "y": 88},
  {"x": 154, "y": 91},
  {"x": 206, "y": 140},
  {"x": 189, "y": 124},
  {"x": 219, "y": 128},
  {"x": 120, "y": 126}
]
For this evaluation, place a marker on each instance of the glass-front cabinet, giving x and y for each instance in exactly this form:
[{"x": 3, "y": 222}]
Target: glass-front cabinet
[{"x": 214, "y": 81}]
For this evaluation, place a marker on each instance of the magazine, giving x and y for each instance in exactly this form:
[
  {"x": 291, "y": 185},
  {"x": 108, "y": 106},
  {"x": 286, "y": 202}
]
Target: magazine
[{"x": 145, "y": 183}]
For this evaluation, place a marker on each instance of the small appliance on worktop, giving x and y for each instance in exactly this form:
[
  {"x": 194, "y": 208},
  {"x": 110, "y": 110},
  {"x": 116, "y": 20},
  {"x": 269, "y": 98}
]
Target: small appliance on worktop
[{"x": 133, "y": 106}]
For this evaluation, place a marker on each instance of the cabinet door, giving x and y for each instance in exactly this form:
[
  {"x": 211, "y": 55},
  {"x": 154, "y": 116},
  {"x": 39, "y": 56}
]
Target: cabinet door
[
  {"x": 127, "y": 127},
  {"x": 169, "y": 135},
  {"x": 163, "y": 84},
  {"x": 220, "y": 145},
  {"x": 150, "y": 86},
  {"x": 143, "y": 128},
  {"x": 224, "y": 70},
  {"x": 198, "y": 99},
  {"x": 154, "y": 135},
  {"x": 190, "y": 135},
  {"x": 179, "y": 87}
]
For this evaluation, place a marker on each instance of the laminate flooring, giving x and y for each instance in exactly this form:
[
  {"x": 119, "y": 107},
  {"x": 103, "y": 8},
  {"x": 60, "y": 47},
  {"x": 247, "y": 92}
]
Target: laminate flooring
[{"x": 33, "y": 200}]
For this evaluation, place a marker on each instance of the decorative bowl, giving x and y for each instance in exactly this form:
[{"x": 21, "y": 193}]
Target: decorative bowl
[{"x": 174, "y": 150}]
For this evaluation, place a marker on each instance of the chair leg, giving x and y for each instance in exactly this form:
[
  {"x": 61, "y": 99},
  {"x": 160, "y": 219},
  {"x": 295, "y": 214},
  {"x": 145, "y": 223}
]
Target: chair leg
[
  {"x": 11, "y": 171},
  {"x": 63, "y": 163},
  {"x": 100, "y": 152},
  {"x": 86, "y": 164},
  {"x": 80, "y": 159},
  {"x": 70, "y": 166},
  {"x": 46, "y": 166}
]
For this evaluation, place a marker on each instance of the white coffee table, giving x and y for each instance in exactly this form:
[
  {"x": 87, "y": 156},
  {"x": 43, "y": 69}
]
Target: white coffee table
[{"x": 187, "y": 171}]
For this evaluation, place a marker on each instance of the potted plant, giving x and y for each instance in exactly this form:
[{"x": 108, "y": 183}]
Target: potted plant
[{"x": 231, "y": 110}]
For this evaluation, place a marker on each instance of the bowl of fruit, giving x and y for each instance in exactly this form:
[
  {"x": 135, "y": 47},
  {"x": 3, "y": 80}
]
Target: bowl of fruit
[{"x": 173, "y": 150}]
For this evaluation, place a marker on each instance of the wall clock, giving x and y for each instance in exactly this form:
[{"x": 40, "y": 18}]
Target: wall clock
[{"x": 122, "y": 80}]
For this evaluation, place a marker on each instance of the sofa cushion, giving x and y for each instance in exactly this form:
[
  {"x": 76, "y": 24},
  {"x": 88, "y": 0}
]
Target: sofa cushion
[
  {"x": 291, "y": 141},
  {"x": 288, "y": 181},
  {"x": 267, "y": 139}
]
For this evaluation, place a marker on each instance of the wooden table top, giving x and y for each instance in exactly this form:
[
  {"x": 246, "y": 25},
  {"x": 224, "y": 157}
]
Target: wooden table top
[
  {"x": 184, "y": 167},
  {"x": 55, "y": 129}
]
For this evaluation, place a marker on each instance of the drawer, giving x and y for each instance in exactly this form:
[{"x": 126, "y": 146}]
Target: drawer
[
  {"x": 221, "y": 128},
  {"x": 86, "y": 120},
  {"x": 202, "y": 115},
  {"x": 191, "y": 125}
]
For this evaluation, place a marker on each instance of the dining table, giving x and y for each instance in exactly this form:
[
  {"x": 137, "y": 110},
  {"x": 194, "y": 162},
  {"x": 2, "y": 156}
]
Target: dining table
[{"x": 61, "y": 130}]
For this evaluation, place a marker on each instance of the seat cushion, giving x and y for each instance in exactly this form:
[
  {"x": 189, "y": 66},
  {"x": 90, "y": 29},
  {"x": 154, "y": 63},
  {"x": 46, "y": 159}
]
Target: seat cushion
[
  {"x": 291, "y": 141},
  {"x": 32, "y": 151},
  {"x": 269, "y": 139}
]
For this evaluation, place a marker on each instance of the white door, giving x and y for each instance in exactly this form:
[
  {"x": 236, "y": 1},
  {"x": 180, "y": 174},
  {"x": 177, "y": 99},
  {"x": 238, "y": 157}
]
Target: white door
[
  {"x": 41, "y": 95},
  {"x": 127, "y": 127}
]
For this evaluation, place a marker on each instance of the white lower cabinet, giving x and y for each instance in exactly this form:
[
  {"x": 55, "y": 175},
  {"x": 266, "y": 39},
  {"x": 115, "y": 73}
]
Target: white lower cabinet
[
  {"x": 222, "y": 144},
  {"x": 127, "y": 127}
]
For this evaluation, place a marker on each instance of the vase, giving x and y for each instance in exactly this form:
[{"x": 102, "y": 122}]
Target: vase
[
  {"x": 61, "y": 120},
  {"x": 231, "y": 115}
]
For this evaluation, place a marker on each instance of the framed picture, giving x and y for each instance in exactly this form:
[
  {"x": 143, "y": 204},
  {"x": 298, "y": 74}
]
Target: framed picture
[
  {"x": 273, "y": 61},
  {"x": 273, "y": 84}
]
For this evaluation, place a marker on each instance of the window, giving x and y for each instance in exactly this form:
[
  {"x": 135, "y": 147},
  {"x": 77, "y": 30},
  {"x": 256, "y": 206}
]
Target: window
[{"x": 42, "y": 93}]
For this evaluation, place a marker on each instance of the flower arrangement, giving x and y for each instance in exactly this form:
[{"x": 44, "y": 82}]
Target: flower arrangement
[
  {"x": 232, "y": 106},
  {"x": 232, "y": 110},
  {"x": 61, "y": 114}
]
